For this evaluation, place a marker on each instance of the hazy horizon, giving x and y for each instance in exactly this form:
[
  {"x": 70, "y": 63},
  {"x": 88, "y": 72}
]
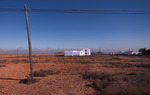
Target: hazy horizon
[{"x": 55, "y": 50}]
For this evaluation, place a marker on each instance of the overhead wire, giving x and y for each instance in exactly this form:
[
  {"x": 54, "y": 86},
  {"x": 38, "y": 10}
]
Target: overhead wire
[{"x": 78, "y": 11}]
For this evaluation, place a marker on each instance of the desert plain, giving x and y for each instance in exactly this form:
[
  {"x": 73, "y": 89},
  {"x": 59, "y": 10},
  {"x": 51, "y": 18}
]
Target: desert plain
[{"x": 98, "y": 74}]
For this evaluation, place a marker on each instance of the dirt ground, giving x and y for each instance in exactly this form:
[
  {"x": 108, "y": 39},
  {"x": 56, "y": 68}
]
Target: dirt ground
[{"x": 69, "y": 81}]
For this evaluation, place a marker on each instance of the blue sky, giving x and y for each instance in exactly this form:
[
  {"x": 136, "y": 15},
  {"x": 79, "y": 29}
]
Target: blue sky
[{"x": 64, "y": 30}]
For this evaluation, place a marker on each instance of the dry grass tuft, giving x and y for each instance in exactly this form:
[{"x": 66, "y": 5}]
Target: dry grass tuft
[
  {"x": 2, "y": 65},
  {"x": 44, "y": 73},
  {"x": 110, "y": 84},
  {"x": 1, "y": 86},
  {"x": 3, "y": 61},
  {"x": 96, "y": 75},
  {"x": 143, "y": 65}
]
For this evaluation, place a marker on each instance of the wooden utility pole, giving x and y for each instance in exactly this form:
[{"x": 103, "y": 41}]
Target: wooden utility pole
[{"x": 29, "y": 42}]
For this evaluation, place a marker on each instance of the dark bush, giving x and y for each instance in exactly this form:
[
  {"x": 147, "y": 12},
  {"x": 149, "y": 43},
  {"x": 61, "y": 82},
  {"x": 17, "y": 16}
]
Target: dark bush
[
  {"x": 2, "y": 65},
  {"x": 50, "y": 72},
  {"x": 132, "y": 73},
  {"x": 119, "y": 89},
  {"x": 3, "y": 61},
  {"x": 39, "y": 74},
  {"x": 29, "y": 80},
  {"x": 15, "y": 61},
  {"x": 44, "y": 73},
  {"x": 143, "y": 65},
  {"x": 116, "y": 58},
  {"x": 114, "y": 84},
  {"x": 97, "y": 75},
  {"x": 100, "y": 79},
  {"x": 25, "y": 61}
]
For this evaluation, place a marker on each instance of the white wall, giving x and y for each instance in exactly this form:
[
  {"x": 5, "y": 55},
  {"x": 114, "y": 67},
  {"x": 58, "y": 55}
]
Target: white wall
[
  {"x": 72, "y": 53},
  {"x": 136, "y": 53},
  {"x": 85, "y": 51}
]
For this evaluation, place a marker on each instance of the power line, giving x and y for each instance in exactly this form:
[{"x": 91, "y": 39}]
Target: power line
[
  {"x": 78, "y": 11},
  {"x": 11, "y": 10}
]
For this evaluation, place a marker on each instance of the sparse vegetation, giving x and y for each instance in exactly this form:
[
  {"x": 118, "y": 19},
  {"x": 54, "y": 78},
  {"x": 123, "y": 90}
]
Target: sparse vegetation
[
  {"x": 126, "y": 75},
  {"x": 96, "y": 75},
  {"x": 100, "y": 79},
  {"x": 3, "y": 61},
  {"x": 25, "y": 61},
  {"x": 1, "y": 86},
  {"x": 110, "y": 84},
  {"x": 39, "y": 74},
  {"x": 116, "y": 58},
  {"x": 143, "y": 65},
  {"x": 132, "y": 73},
  {"x": 2, "y": 65},
  {"x": 44, "y": 73}
]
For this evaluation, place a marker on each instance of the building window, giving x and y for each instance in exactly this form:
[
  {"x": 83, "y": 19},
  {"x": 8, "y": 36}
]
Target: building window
[
  {"x": 85, "y": 53},
  {"x": 85, "y": 50}
]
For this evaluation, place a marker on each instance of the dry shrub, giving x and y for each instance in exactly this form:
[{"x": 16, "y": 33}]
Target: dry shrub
[
  {"x": 3, "y": 61},
  {"x": 135, "y": 60},
  {"x": 29, "y": 80},
  {"x": 44, "y": 73},
  {"x": 118, "y": 65},
  {"x": 125, "y": 65},
  {"x": 25, "y": 61},
  {"x": 110, "y": 84},
  {"x": 50, "y": 72},
  {"x": 100, "y": 79},
  {"x": 46, "y": 61},
  {"x": 2, "y": 65},
  {"x": 117, "y": 88},
  {"x": 84, "y": 62},
  {"x": 134, "y": 84},
  {"x": 39, "y": 74},
  {"x": 14, "y": 61},
  {"x": 41, "y": 60},
  {"x": 97, "y": 75},
  {"x": 143, "y": 65},
  {"x": 116, "y": 58},
  {"x": 132, "y": 73},
  {"x": 1, "y": 86}
]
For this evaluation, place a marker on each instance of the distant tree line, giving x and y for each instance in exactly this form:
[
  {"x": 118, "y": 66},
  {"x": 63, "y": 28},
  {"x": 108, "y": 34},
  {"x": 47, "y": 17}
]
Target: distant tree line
[{"x": 145, "y": 51}]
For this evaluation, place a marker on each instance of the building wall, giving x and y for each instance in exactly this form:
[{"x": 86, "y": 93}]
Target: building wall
[
  {"x": 84, "y": 52},
  {"x": 128, "y": 53},
  {"x": 72, "y": 53},
  {"x": 87, "y": 51},
  {"x": 136, "y": 53}
]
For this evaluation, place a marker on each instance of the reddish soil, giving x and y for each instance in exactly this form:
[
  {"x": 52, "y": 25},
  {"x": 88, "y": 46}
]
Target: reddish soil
[{"x": 69, "y": 81}]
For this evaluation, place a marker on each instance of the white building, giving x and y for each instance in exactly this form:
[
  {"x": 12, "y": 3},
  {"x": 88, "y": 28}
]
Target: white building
[
  {"x": 136, "y": 53},
  {"x": 84, "y": 52},
  {"x": 128, "y": 53}
]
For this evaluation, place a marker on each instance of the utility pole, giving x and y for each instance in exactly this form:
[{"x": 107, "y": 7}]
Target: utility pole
[{"x": 29, "y": 42}]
